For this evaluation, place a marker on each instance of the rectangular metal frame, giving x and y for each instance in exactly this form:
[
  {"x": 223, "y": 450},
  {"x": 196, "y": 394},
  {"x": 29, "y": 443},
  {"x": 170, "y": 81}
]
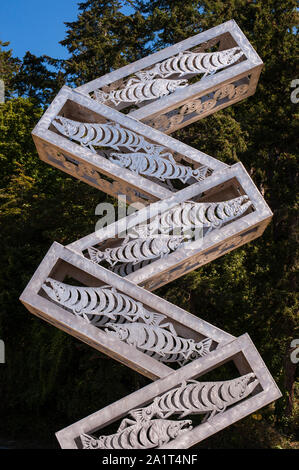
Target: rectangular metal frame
[
  {"x": 199, "y": 252},
  {"x": 60, "y": 262},
  {"x": 242, "y": 351},
  {"x": 202, "y": 98},
  {"x": 93, "y": 168}
]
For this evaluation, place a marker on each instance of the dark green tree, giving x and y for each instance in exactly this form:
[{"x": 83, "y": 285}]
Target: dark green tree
[
  {"x": 103, "y": 39},
  {"x": 9, "y": 66}
]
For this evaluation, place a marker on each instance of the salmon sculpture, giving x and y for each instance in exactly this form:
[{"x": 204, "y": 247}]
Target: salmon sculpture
[
  {"x": 99, "y": 305},
  {"x": 147, "y": 435},
  {"x": 160, "y": 341},
  {"x": 145, "y": 86},
  {"x": 193, "y": 397}
]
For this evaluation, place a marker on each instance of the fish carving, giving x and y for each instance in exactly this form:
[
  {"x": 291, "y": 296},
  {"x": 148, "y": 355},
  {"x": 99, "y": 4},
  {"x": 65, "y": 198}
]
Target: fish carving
[
  {"x": 160, "y": 339},
  {"x": 99, "y": 305},
  {"x": 163, "y": 167},
  {"x": 138, "y": 90},
  {"x": 146, "y": 435},
  {"x": 191, "y": 215},
  {"x": 136, "y": 250},
  {"x": 108, "y": 134},
  {"x": 187, "y": 62},
  {"x": 193, "y": 397}
]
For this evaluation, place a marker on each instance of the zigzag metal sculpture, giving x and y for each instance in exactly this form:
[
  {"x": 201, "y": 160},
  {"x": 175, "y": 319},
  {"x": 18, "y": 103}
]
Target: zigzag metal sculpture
[{"x": 121, "y": 316}]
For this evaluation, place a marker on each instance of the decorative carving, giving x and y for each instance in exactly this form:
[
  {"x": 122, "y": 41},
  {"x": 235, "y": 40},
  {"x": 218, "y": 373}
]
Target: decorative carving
[
  {"x": 141, "y": 431},
  {"x": 163, "y": 167},
  {"x": 187, "y": 62},
  {"x": 160, "y": 339},
  {"x": 84, "y": 171},
  {"x": 144, "y": 86},
  {"x": 109, "y": 134},
  {"x": 138, "y": 90},
  {"x": 152, "y": 163},
  {"x": 168, "y": 122},
  {"x": 191, "y": 215},
  {"x": 98, "y": 305},
  {"x": 127, "y": 268},
  {"x": 145, "y": 435},
  {"x": 136, "y": 250},
  {"x": 194, "y": 397}
]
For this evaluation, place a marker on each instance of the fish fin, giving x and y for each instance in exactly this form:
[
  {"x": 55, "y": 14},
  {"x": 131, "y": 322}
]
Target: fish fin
[
  {"x": 95, "y": 255},
  {"x": 157, "y": 319},
  {"x": 87, "y": 441},
  {"x": 100, "y": 96},
  {"x": 206, "y": 346}
]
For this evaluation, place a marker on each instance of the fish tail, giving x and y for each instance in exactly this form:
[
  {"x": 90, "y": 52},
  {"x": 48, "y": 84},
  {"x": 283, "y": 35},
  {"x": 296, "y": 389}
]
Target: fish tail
[
  {"x": 101, "y": 96},
  {"x": 95, "y": 255},
  {"x": 88, "y": 442},
  {"x": 157, "y": 318},
  {"x": 200, "y": 173},
  {"x": 206, "y": 345}
]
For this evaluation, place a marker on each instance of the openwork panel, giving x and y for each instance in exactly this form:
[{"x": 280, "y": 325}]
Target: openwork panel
[
  {"x": 117, "y": 317},
  {"x": 183, "y": 409},
  {"x": 170, "y": 79},
  {"x": 94, "y": 142},
  {"x": 177, "y": 235}
]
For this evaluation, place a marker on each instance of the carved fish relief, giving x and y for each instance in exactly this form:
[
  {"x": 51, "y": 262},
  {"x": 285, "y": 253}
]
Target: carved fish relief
[
  {"x": 109, "y": 134},
  {"x": 187, "y": 62},
  {"x": 98, "y": 305},
  {"x": 146, "y": 435},
  {"x": 138, "y": 90},
  {"x": 136, "y": 250},
  {"x": 191, "y": 215},
  {"x": 193, "y": 397},
  {"x": 153, "y": 161},
  {"x": 160, "y": 339},
  {"x": 125, "y": 269},
  {"x": 163, "y": 167}
]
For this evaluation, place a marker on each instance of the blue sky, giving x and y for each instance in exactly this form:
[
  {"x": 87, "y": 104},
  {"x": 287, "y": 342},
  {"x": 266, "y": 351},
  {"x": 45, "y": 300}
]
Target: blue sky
[{"x": 37, "y": 26}]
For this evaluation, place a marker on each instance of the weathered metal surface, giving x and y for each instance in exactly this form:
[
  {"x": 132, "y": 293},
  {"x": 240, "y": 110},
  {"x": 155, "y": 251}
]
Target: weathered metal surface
[
  {"x": 80, "y": 136},
  {"x": 210, "y": 229},
  {"x": 105, "y": 300},
  {"x": 186, "y": 392},
  {"x": 160, "y": 88}
]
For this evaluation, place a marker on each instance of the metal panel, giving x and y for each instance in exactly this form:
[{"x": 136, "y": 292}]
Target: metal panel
[
  {"x": 225, "y": 410},
  {"x": 167, "y": 104}
]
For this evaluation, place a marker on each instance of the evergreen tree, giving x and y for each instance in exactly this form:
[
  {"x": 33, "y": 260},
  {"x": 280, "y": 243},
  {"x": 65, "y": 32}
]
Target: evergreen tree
[
  {"x": 9, "y": 66},
  {"x": 102, "y": 39}
]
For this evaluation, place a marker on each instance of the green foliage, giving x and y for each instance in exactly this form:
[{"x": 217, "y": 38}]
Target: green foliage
[
  {"x": 50, "y": 379},
  {"x": 9, "y": 66}
]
